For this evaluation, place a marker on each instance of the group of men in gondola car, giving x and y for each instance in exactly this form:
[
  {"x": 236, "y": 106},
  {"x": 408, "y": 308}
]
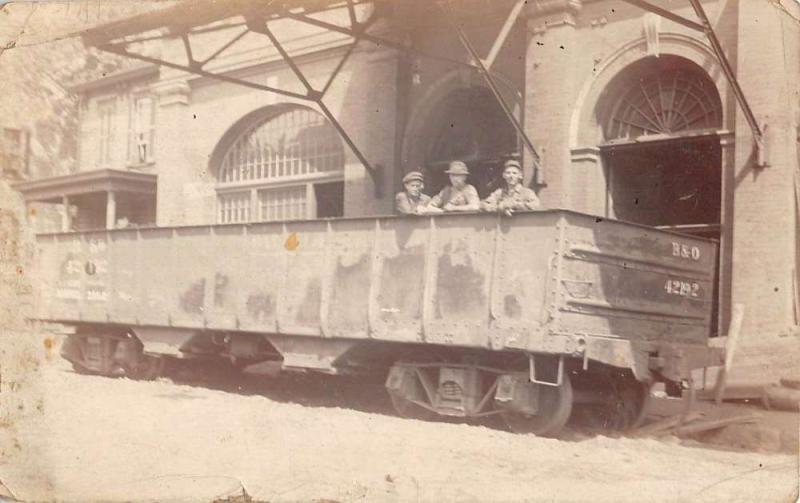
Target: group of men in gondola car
[{"x": 461, "y": 196}]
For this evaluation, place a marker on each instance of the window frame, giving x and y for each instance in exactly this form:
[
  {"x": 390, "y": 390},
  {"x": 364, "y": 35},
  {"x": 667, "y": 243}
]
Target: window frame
[
  {"x": 133, "y": 158},
  {"x": 254, "y": 187},
  {"x": 106, "y": 137}
]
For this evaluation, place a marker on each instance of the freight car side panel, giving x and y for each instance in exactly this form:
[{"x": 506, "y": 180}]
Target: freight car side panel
[
  {"x": 461, "y": 272},
  {"x": 397, "y": 296},
  {"x": 300, "y": 294},
  {"x": 469, "y": 280},
  {"x": 126, "y": 288},
  {"x": 347, "y": 270},
  {"x": 96, "y": 285},
  {"x": 157, "y": 290},
  {"x": 227, "y": 275},
  {"x": 60, "y": 271},
  {"x": 631, "y": 282},
  {"x": 74, "y": 276},
  {"x": 524, "y": 280},
  {"x": 434, "y": 282},
  {"x": 257, "y": 270}
]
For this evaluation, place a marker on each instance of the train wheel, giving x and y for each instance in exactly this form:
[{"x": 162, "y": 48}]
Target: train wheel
[
  {"x": 149, "y": 368},
  {"x": 410, "y": 410},
  {"x": 624, "y": 408},
  {"x": 628, "y": 406},
  {"x": 555, "y": 406}
]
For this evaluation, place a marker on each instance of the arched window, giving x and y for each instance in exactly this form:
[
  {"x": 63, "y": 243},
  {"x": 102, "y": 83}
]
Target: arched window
[
  {"x": 674, "y": 181},
  {"x": 670, "y": 98},
  {"x": 288, "y": 165}
]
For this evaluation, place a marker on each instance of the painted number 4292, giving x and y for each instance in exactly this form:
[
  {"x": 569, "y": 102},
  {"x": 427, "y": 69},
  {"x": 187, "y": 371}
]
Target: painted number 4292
[{"x": 682, "y": 288}]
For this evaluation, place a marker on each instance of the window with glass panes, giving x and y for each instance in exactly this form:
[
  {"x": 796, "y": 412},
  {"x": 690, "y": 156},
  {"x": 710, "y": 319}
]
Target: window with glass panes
[
  {"x": 105, "y": 112},
  {"x": 271, "y": 171},
  {"x": 142, "y": 138}
]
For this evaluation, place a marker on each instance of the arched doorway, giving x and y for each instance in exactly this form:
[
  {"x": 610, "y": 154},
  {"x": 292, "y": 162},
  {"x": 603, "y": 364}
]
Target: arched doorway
[
  {"x": 469, "y": 125},
  {"x": 458, "y": 118},
  {"x": 661, "y": 120}
]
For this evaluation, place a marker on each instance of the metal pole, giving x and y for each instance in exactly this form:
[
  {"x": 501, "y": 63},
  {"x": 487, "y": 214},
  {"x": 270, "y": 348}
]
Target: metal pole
[
  {"x": 726, "y": 68},
  {"x": 504, "y": 31},
  {"x": 705, "y": 27},
  {"x": 666, "y": 14},
  {"x": 262, "y": 27},
  {"x": 316, "y": 97},
  {"x": 118, "y": 50},
  {"x": 489, "y": 80},
  {"x": 224, "y": 47}
]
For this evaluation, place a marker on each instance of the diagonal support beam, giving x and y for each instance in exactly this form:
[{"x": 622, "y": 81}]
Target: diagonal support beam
[
  {"x": 383, "y": 42},
  {"x": 225, "y": 47},
  {"x": 118, "y": 49},
  {"x": 504, "y": 31},
  {"x": 358, "y": 30},
  {"x": 758, "y": 135},
  {"x": 187, "y": 46},
  {"x": 450, "y": 16},
  {"x": 339, "y": 67},
  {"x": 351, "y": 11},
  {"x": 260, "y": 26},
  {"x": 346, "y": 31},
  {"x": 655, "y": 9}
]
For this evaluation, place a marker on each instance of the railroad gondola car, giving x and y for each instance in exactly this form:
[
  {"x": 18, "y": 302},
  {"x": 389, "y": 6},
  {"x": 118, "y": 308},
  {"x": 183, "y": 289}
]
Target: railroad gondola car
[{"x": 529, "y": 317}]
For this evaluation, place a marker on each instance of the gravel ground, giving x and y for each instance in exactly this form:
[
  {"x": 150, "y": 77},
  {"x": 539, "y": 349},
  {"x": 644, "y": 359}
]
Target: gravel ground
[{"x": 88, "y": 438}]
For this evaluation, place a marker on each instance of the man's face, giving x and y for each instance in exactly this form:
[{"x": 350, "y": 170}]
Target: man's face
[
  {"x": 458, "y": 181},
  {"x": 414, "y": 187},
  {"x": 512, "y": 176}
]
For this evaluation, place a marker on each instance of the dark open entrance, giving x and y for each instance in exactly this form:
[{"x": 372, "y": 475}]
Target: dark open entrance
[
  {"x": 470, "y": 126},
  {"x": 673, "y": 184}
]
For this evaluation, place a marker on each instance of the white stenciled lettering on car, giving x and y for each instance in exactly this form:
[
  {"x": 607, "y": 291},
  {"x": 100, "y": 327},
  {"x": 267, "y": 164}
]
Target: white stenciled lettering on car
[
  {"x": 685, "y": 251},
  {"x": 682, "y": 288}
]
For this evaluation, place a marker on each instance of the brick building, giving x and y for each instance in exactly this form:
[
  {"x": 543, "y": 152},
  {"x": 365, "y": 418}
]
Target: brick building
[{"x": 631, "y": 113}]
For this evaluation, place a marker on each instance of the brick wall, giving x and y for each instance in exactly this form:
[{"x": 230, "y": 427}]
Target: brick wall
[
  {"x": 765, "y": 236},
  {"x": 574, "y": 49},
  {"x": 194, "y": 116}
]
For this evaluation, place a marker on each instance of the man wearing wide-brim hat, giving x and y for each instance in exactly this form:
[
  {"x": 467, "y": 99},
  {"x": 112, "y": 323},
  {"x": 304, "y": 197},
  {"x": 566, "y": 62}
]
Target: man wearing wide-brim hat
[
  {"x": 513, "y": 196},
  {"x": 412, "y": 200},
  {"x": 459, "y": 195}
]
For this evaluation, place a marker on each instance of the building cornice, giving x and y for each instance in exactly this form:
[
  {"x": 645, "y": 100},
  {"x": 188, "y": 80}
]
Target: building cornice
[
  {"x": 118, "y": 77},
  {"x": 172, "y": 92},
  {"x": 545, "y": 14},
  {"x": 85, "y": 182},
  {"x": 539, "y": 8}
]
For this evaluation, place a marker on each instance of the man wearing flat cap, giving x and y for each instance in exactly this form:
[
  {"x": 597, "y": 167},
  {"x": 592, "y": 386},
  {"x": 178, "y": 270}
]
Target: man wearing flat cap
[
  {"x": 513, "y": 196},
  {"x": 411, "y": 201},
  {"x": 459, "y": 195}
]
